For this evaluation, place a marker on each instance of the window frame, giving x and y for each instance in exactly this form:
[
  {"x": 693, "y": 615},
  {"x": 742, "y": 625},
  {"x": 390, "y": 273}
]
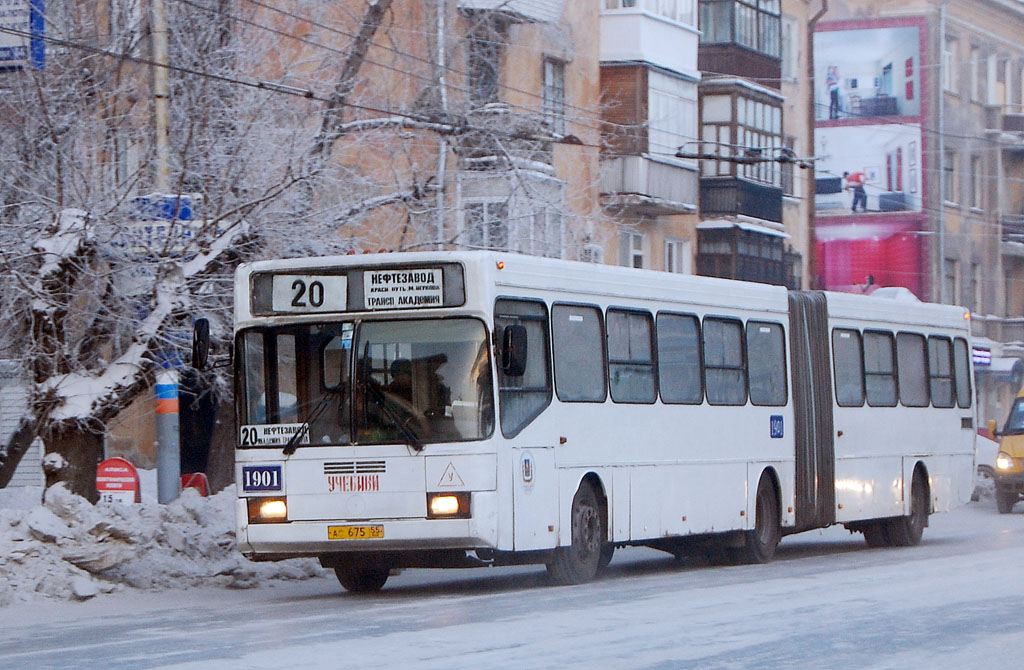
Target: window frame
[
  {"x": 868, "y": 374},
  {"x": 604, "y": 351},
  {"x": 700, "y": 355},
  {"x": 548, "y": 356},
  {"x": 651, "y": 364},
  {"x": 933, "y": 377},
  {"x": 757, "y": 323},
  {"x": 905, "y": 389},
  {"x": 859, "y": 348},
  {"x": 742, "y": 367},
  {"x": 962, "y": 373}
]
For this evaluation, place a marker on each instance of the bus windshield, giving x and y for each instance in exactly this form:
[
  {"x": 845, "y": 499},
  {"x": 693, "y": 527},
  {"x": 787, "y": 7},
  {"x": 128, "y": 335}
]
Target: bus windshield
[{"x": 372, "y": 382}]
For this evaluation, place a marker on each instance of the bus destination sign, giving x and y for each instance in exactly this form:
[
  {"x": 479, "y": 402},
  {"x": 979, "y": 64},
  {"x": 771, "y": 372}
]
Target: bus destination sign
[{"x": 403, "y": 289}]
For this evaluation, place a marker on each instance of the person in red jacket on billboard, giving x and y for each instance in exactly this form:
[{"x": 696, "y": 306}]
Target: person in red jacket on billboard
[{"x": 855, "y": 183}]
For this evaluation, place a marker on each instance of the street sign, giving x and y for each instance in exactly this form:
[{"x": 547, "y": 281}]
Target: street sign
[{"x": 117, "y": 480}]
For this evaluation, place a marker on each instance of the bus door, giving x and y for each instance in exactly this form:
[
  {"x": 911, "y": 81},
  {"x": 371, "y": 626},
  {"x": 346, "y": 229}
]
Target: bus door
[{"x": 812, "y": 409}]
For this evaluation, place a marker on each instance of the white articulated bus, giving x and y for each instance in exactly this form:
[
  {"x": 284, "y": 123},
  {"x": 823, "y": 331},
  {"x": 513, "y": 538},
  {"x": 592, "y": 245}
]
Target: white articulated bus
[{"x": 444, "y": 409}]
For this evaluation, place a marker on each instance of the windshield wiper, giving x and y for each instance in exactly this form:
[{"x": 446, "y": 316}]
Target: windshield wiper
[
  {"x": 410, "y": 436},
  {"x": 318, "y": 409}
]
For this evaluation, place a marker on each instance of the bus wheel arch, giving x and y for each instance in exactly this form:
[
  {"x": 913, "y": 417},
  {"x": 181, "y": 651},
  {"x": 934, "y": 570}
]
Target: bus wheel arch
[{"x": 579, "y": 561}]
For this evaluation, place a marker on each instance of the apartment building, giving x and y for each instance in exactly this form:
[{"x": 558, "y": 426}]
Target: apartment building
[{"x": 649, "y": 81}]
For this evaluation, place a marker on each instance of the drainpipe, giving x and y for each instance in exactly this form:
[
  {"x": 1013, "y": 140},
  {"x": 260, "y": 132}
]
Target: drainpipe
[
  {"x": 941, "y": 264},
  {"x": 812, "y": 263},
  {"x": 811, "y": 235}
]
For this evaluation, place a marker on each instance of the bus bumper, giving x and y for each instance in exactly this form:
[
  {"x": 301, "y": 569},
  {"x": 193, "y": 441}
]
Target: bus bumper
[{"x": 277, "y": 541}]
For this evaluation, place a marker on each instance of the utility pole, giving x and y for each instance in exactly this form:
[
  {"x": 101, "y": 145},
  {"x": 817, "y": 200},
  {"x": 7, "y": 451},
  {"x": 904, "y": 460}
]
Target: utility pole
[
  {"x": 168, "y": 446},
  {"x": 161, "y": 96}
]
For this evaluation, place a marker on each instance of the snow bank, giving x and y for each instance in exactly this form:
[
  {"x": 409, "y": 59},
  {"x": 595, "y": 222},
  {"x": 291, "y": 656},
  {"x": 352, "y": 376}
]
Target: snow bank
[{"x": 68, "y": 548}]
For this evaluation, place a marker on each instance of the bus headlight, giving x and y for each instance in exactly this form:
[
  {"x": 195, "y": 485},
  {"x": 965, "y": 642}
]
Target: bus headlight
[
  {"x": 1004, "y": 461},
  {"x": 448, "y": 506},
  {"x": 267, "y": 510}
]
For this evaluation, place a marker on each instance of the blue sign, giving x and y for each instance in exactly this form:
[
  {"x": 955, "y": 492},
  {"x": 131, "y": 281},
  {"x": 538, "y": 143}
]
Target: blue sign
[
  {"x": 777, "y": 426},
  {"x": 21, "y": 43}
]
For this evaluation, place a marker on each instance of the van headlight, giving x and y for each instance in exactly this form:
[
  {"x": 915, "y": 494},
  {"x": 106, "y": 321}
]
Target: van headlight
[{"x": 1004, "y": 461}]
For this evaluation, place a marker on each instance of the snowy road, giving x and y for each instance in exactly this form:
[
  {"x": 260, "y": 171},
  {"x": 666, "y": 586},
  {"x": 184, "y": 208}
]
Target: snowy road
[{"x": 828, "y": 601}]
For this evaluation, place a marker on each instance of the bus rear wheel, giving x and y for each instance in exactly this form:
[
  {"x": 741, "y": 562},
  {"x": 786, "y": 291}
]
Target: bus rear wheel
[
  {"x": 760, "y": 543},
  {"x": 362, "y": 579},
  {"x": 906, "y": 531},
  {"x": 579, "y": 562}
]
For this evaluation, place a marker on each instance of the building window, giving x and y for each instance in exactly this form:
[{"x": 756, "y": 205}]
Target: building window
[
  {"x": 787, "y": 172},
  {"x": 790, "y": 49},
  {"x": 678, "y": 257},
  {"x": 484, "y": 56},
  {"x": 554, "y": 94},
  {"x": 949, "y": 278},
  {"x": 977, "y": 180},
  {"x": 978, "y": 73},
  {"x": 486, "y": 225},
  {"x": 752, "y": 23},
  {"x": 949, "y": 186},
  {"x": 950, "y": 65},
  {"x": 748, "y": 123},
  {"x": 541, "y": 234},
  {"x": 631, "y": 249},
  {"x": 672, "y": 113}
]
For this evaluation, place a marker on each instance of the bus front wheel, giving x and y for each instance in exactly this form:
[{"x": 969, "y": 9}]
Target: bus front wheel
[
  {"x": 362, "y": 579},
  {"x": 579, "y": 562}
]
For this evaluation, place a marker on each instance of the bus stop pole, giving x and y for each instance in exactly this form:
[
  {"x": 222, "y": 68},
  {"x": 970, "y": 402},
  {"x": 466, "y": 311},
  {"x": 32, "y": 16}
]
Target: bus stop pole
[{"x": 168, "y": 448}]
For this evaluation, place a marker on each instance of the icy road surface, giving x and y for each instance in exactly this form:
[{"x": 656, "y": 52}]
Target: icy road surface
[{"x": 828, "y": 601}]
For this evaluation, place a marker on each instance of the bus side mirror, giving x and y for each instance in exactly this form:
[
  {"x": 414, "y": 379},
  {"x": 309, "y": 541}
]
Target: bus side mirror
[
  {"x": 513, "y": 350},
  {"x": 992, "y": 431},
  {"x": 200, "y": 343}
]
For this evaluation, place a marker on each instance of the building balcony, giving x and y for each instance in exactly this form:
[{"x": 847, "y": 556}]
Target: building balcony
[
  {"x": 641, "y": 185},
  {"x": 547, "y": 11},
  {"x": 725, "y": 196},
  {"x": 634, "y": 35},
  {"x": 735, "y": 59}
]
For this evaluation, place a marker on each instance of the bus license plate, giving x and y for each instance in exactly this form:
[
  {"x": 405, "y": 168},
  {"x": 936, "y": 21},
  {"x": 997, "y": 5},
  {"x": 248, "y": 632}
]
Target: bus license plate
[{"x": 355, "y": 532}]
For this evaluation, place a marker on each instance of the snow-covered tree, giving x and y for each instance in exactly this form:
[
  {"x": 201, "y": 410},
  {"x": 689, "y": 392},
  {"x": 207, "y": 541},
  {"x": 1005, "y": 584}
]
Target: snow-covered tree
[{"x": 292, "y": 132}]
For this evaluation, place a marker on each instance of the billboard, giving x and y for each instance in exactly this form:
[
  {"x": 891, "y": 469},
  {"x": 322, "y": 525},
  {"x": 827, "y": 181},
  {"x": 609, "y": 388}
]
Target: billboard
[
  {"x": 876, "y": 168},
  {"x": 868, "y": 74},
  {"x": 870, "y": 154},
  {"x": 21, "y": 34}
]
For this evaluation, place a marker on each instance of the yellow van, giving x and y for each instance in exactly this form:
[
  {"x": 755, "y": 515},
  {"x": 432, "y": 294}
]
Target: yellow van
[{"x": 1009, "y": 474}]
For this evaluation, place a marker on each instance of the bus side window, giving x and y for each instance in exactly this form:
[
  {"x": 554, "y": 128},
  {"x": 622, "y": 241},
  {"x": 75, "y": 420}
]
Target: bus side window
[
  {"x": 679, "y": 359},
  {"x": 912, "y": 366},
  {"x": 940, "y": 371},
  {"x": 631, "y": 375},
  {"x": 962, "y": 372},
  {"x": 848, "y": 367},
  {"x": 578, "y": 341},
  {"x": 523, "y": 398},
  {"x": 766, "y": 363},
  {"x": 879, "y": 369},
  {"x": 724, "y": 370}
]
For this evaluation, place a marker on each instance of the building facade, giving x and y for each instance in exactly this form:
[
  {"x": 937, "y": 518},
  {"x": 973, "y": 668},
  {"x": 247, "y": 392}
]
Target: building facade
[{"x": 920, "y": 103}]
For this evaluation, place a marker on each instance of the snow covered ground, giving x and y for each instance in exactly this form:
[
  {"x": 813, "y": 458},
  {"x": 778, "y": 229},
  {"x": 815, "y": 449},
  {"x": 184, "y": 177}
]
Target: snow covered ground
[
  {"x": 827, "y": 601},
  {"x": 67, "y": 548}
]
